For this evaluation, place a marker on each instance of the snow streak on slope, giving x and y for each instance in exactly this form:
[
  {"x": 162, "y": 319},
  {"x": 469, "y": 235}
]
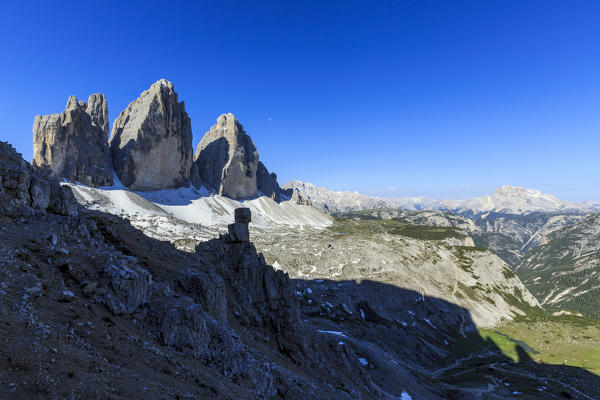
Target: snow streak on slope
[
  {"x": 193, "y": 206},
  {"x": 189, "y": 205}
]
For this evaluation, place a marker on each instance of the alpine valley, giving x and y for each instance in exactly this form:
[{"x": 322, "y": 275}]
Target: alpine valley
[{"x": 133, "y": 267}]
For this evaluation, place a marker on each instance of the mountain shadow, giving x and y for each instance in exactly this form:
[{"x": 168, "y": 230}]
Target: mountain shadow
[{"x": 93, "y": 308}]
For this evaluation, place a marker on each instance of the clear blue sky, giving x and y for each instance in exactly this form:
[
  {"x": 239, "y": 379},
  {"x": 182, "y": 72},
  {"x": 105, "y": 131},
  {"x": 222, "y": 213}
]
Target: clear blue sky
[{"x": 435, "y": 98}]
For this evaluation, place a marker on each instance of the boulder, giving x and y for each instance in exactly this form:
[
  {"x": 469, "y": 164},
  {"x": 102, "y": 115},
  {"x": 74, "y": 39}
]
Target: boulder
[
  {"x": 129, "y": 288},
  {"x": 151, "y": 141},
  {"x": 227, "y": 160},
  {"x": 62, "y": 201},
  {"x": 25, "y": 189},
  {"x": 72, "y": 144},
  {"x": 242, "y": 214}
]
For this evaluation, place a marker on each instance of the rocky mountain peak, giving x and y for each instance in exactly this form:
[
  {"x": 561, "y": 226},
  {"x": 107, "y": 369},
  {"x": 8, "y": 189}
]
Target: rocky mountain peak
[
  {"x": 227, "y": 159},
  {"x": 73, "y": 144},
  {"x": 515, "y": 192},
  {"x": 510, "y": 191},
  {"x": 226, "y": 162},
  {"x": 151, "y": 141},
  {"x": 73, "y": 104},
  {"x": 162, "y": 83},
  {"x": 97, "y": 108}
]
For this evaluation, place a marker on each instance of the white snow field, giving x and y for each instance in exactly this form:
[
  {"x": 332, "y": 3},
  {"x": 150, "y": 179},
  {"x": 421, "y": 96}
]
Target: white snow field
[{"x": 196, "y": 206}]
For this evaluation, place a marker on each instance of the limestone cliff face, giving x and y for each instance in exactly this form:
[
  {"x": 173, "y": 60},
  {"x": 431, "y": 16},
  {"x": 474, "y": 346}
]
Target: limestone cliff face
[
  {"x": 227, "y": 160},
  {"x": 151, "y": 141},
  {"x": 97, "y": 108},
  {"x": 72, "y": 144},
  {"x": 267, "y": 183}
]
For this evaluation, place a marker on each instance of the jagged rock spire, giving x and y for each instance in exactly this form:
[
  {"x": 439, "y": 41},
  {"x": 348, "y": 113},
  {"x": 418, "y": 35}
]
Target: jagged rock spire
[
  {"x": 151, "y": 141},
  {"x": 227, "y": 162},
  {"x": 73, "y": 144}
]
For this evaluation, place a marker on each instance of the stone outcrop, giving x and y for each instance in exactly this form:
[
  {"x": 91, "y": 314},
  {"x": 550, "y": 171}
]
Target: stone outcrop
[
  {"x": 206, "y": 288},
  {"x": 262, "y": 298},
  {"x": 267, "y": 183},
  {"x": 24, "y": 189},
  {"x": 238, "y": 231},
  {"x": 129, "y": 287},
  {"x": 72, "y": 144},
  {"x": 151, "y": 141},
  {"x": 294, "y": 195},
  {"x": 226, "y": 160}
]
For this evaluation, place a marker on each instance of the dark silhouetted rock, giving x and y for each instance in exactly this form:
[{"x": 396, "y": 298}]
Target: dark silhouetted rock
[{"x": 25, "y": 189}]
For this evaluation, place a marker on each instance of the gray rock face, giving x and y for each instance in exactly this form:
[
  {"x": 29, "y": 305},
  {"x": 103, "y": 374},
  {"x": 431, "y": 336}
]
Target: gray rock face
[
  {"x": 151, "y": 141},
  {"x": 294, "y": 195},
  {"x": 130, "y": 286},
  {"x": 227, "y": 160},
  {"x": 97, "y": 108},
  {"x": 267, "y": 183},
  {"x": 238, "y": 231},
  {"x": 73, "y": 144},
  {"x": 24, "y": 189},
  {"x": 206, "y": 288}
]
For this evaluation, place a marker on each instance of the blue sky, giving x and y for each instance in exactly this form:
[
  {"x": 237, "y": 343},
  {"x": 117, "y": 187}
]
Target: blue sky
[{"x": 434, "y": 98}]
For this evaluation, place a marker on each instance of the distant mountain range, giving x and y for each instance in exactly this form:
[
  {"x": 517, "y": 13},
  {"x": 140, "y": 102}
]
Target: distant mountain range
[{"x": 506, "y": 200}]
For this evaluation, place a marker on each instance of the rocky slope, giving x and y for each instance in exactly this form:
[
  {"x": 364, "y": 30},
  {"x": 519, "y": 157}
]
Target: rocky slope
[
  {"x": 151, "y": 141},
  {"x": 428, "y": 260},
  {"x": 73, "y": 144},
  {"x": 511, "y": 236},
  {"x": 564, "y": 272},
  {"x": 93, "y": 308},
  {"x": 510, "y": 222}
]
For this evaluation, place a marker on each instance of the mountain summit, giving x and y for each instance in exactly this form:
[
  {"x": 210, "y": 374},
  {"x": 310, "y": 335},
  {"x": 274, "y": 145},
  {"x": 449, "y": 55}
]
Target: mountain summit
[
  {"x": 151, "y": 141},
  {"x": 510, "y": 200},
  {"x": 506, "y": 200}
]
